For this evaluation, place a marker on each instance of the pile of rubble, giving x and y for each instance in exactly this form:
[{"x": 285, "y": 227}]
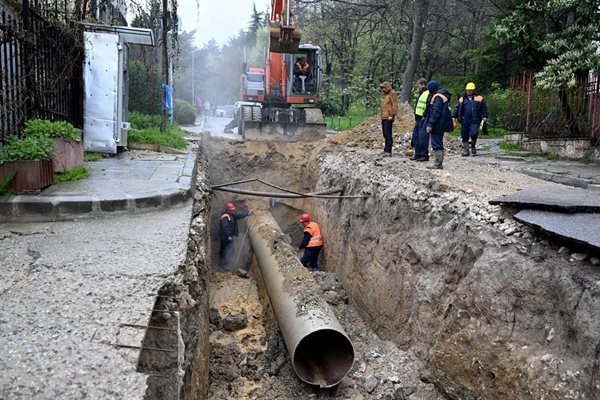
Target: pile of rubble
[{"x": 368, "y": 134}]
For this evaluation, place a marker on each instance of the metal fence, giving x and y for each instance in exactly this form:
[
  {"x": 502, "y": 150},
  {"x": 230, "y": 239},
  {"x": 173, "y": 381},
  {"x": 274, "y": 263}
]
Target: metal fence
[
  {"x": 40, "y": 66},
  {"x": 565, "y": 114}
]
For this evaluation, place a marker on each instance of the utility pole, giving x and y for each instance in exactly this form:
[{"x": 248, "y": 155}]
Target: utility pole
[
  {"x": 165, "y": 72},
  {"x": 193, "y": 76}
]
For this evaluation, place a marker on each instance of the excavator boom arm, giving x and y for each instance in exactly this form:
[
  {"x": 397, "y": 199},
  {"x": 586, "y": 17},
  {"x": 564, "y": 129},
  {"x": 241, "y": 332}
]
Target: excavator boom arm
[{"x": 284, "y": 37}]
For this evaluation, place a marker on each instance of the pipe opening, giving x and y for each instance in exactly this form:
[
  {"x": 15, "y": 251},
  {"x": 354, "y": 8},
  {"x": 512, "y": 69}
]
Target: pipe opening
[{"x": 323, "y": 358}]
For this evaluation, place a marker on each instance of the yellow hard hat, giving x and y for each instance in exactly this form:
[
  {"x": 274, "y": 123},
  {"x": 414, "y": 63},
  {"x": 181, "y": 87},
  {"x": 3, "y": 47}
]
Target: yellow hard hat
[{"x": 470, "y": 86}]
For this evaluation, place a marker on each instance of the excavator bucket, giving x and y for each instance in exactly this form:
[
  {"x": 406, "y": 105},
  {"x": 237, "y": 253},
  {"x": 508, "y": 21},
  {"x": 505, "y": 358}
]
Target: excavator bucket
[{"x": 283, "y": 39}]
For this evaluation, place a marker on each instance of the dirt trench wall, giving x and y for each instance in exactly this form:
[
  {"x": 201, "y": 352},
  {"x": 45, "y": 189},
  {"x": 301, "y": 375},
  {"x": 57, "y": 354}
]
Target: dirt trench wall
[
  {"x": 493, "y": 317},
  {"x": 290, "y": 165},
  {"x": 195, "y": 380},
  {"x": 185, "y": 297}
]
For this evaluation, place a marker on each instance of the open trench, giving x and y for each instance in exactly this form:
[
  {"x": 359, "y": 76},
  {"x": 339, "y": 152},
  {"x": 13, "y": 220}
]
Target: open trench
[
  {"x": 439, "y": 303},
  {"x": 248, "y": 355}
]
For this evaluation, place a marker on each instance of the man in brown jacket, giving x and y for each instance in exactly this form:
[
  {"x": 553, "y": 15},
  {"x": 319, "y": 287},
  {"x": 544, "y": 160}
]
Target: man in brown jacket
[{"x": 389, "y": 109}]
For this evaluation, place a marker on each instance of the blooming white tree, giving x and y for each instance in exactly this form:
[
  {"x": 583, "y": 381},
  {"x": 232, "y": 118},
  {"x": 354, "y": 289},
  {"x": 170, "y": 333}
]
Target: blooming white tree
[{"x": 560, "y": 37}]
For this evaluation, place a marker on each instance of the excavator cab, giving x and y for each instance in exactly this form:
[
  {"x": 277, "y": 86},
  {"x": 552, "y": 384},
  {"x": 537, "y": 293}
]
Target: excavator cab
[{"x": 304, "y": 80}]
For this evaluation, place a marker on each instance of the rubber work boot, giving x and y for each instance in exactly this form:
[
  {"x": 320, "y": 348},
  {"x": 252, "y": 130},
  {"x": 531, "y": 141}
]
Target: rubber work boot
[
  {"x": 473, "y": 149},
  {"x": 438, "y": 160},
  {"x": 465, "y": 152}
]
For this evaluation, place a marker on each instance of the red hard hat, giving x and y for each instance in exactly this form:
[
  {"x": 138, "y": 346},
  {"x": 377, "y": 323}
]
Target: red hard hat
[
  {"x": 305, "y": 218},
  {"x": 230, "y": 207}
]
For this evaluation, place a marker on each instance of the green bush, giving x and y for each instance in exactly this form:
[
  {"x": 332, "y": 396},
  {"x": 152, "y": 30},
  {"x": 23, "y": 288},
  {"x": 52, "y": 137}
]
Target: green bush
[
  {"x": 329, "y": 107},
  {"x": 144, "y": 121},
  {"x": 500, "y": 102},
  {"x": 52, "y": 129},
  {"x": 146, "y": 129},
  {"x": 171, "y": 138},
  {"x": 92, "y": 157},
  {"x": 509, "y": 147},
  {"x": 29, "y": 148},
  {"x": 184, "y": 112},
  {"x": 74, "y": 174},
  {"x": 354, "y": 116},
  {"x": 145, "y": 93}
]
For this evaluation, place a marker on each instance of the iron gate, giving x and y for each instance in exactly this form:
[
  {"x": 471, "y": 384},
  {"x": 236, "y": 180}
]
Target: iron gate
[{"x": 41, "y": 58}]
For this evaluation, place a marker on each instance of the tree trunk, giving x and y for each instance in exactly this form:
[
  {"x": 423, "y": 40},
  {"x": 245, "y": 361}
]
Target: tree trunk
[
  {"x": 570, "y": 117},
  {"x": 77, "y": 10},
  {"x": 421, "y": 8}
]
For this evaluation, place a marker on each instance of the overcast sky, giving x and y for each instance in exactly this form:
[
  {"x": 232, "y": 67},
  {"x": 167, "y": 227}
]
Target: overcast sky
[{"x": 219, "y": 19}]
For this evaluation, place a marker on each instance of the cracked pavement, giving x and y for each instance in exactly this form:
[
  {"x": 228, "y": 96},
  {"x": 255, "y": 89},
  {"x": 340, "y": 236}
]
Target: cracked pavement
[{"x": 64, "y": 289}]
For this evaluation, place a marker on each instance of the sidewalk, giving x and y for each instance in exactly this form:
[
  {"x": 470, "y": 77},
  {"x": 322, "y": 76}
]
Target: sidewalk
[
  {"x": 566, "y": 172},
  {"x": 74, "y": 294},
  {"x": 131, "y": 182},
  {"x": 77, "y": 296}
]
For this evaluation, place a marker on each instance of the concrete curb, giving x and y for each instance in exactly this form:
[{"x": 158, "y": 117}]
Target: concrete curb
[
  {"x": 557, "y": 178},
  {"x": 28, "y": 208}
]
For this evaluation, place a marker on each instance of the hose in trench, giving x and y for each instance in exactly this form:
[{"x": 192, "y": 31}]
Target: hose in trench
[{"x": 288, "y": 194}]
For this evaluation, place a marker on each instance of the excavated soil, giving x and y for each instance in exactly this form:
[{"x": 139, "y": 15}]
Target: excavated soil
[
  {"x": 252, "y": 363},
  {"x": 368, "y": 135},
  {"x": 442, "y": 294},
  {"x": 248, "y": 357}
]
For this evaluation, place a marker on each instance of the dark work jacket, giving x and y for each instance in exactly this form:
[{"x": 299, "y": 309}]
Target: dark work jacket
[
  {"x": 438, "y": 115},
  {"x": 305, "y": 240},
  {"x": 229, "y": 227},
  {"x": 470, "y": 111}
]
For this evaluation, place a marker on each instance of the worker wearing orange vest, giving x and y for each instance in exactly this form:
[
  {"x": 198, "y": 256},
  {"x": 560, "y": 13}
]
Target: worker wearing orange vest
[
  {"x": 301, "y": 68},
  {"x": 228, "y": 228},
  {"x": 312, "y": 243}
]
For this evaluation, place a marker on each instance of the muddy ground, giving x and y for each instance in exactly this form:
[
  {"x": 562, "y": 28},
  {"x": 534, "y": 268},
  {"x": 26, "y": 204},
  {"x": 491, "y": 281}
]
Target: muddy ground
[
  {"x": 248, "y": 356},
  {"x": 249, "y": 360},
  {"x": 410, "y": 259}
]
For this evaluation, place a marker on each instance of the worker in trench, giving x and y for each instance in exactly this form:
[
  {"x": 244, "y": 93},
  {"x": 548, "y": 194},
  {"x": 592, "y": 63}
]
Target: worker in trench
[
  {"x": 228, "y": 230},
  {"x": 312, "y": 243}
]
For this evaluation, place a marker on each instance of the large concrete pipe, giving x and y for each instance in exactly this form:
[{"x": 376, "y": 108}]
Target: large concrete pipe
[{"x": 320, "y": 351}]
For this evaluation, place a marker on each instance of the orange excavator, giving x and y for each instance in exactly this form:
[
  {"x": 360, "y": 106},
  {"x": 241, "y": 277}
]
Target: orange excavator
[{"x": 286, "y": 107}]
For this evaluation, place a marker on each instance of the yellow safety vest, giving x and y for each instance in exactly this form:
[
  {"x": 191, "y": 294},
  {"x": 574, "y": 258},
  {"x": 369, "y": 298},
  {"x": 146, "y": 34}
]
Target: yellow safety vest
[{"x": 422, "y": 103}]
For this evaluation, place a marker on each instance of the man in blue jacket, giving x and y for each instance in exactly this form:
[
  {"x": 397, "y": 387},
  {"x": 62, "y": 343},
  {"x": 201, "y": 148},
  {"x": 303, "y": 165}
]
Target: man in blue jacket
[
  {"x": 438, "y": 120},
  {"x": 420, "y": 138},
  {"x": 470, "y": 111}
]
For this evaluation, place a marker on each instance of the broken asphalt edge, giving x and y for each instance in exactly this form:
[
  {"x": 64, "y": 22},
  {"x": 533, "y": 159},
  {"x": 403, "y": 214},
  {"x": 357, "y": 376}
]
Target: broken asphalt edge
[
  {"x": 522, "y": 218},
  {"x": 31, "y": 208}
]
